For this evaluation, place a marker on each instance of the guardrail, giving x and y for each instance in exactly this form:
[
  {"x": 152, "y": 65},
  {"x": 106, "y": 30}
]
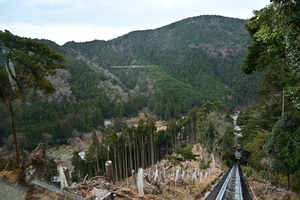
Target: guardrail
[{"x": 56, "y": 190}]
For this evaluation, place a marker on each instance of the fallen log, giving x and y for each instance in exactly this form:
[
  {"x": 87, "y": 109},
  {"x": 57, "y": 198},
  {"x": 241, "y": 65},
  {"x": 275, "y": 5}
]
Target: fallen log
[{"x": 124, "y": 192}]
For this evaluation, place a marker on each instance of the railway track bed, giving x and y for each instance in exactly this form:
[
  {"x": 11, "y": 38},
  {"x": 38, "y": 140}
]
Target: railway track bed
[{"x": 232, "y": 186}]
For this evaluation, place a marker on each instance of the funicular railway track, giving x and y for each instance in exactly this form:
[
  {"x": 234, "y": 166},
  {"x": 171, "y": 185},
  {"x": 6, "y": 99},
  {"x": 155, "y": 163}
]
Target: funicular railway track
[{"x": 232, "y": 186}]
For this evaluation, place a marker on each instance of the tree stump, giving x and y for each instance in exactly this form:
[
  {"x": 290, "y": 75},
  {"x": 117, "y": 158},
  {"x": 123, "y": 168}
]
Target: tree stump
[{"x": 109, "y": 172}]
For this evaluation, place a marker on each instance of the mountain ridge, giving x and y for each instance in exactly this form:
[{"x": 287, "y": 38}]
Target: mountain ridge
[
  {"x": 206, "y": 36},
  {"x": 155, "y": 46},
  {"x": 196, "y": 60}
]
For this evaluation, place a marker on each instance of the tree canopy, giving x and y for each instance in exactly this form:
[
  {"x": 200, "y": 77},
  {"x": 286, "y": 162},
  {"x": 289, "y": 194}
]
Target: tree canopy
[
  {"x": 274, "y": 120},
  {"x": 275, "y": 31},
  {"x": 26, "y": 64}
]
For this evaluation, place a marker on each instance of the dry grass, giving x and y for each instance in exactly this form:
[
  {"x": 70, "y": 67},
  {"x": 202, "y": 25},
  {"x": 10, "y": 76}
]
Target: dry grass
[
  {"x": 12, "y": 176},
  {"x": 183, "y": 190},
  {"x": 36, "y": 193},
  {"x": 266, "y": 191}
]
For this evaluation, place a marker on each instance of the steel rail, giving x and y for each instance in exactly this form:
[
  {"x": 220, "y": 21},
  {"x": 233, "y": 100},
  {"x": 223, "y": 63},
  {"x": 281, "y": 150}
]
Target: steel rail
[
  {"x": 224, "y": 186},
  {"x": 231, "y": 188}
]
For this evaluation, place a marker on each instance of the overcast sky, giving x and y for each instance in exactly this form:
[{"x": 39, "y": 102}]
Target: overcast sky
[{"x": 85, "y": 20}]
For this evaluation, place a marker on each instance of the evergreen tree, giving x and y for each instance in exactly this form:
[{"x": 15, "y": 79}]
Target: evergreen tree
[{"x": 27, "y": 64}]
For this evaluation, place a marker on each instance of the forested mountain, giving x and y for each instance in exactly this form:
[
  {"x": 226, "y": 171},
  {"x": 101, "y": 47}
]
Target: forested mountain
[
  {"x": 203, "y": 52},
  {"x": 168, "y": 70},
  {"x": 192, "y": 74}
]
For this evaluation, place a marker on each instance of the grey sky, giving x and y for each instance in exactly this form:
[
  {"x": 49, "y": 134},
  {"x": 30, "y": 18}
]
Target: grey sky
[{"x": 85, "y": 20}]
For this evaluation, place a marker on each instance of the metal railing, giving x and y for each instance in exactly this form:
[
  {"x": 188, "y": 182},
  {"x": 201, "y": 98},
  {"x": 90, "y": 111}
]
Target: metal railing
[{"x": 231, "y": 188}]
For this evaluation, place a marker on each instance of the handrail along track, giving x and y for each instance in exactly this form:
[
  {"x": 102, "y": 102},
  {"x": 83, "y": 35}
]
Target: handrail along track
[{"x": 232, "y": 186}]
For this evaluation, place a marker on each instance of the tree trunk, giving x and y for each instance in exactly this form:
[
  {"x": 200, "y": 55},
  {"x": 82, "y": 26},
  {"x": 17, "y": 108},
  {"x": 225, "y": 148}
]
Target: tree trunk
[
  {"x": 130, "y": 157},
  {"x": 288, "y": 181},
  {"x": 12, "y": 119},
  {"x": 142, "y": 154},
  {"x": 116, "y": 169},
  {"x": 148, "y": 153},
  {"x": 172, "y": 141},
  {"x": 152, "y": 148},
  {"x": 157, "y": 154},
  {"x": 109, "y": 172},
  {"x": 134, "y": 177},
  {"x": 155, "y": 150},
  {"x": 167, "y": 147},
  {"x": 126, "y": 162},
  {"x": 192, "y": 130},
  {"x": 221, "y": 159},
  {"x": 97, "y": 160},
  {"x": 136, "y": 156},
  {"x": 120, "y": 164}
]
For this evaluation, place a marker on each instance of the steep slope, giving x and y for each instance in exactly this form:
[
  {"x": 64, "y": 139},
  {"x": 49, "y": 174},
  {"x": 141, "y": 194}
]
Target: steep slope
[
  {"x": 205, "y": 52},
  {"x": 175, "y": 68}
]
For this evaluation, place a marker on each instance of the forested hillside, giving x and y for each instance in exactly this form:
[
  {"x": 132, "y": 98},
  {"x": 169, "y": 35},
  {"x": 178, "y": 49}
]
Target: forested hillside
[
  {"x": 168, "y": 70},
  {"x": 203, "y": 52},
  {"x": 192, "y": 74}
]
